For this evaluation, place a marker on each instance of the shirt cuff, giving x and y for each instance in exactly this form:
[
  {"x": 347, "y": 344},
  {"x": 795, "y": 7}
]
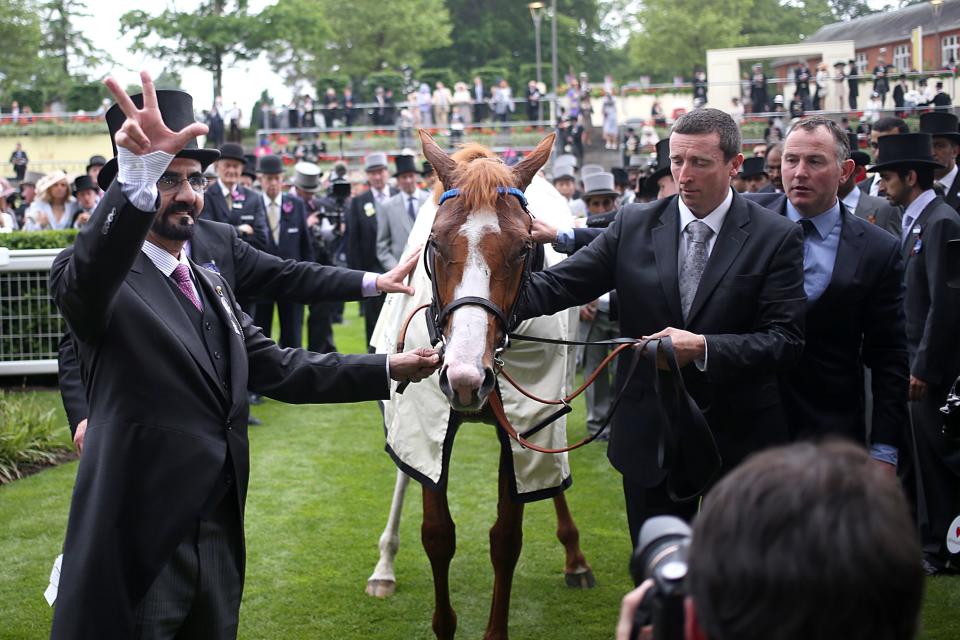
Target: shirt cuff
[
  {"x": 702, "y": 364},
  {"x": 884, "y": 453},
  {"x": 138, "y": 176},
  {"x": 565, "y": 242},
  {"x": 368, "y": 288},
  {"x": 388, "y": 372}
]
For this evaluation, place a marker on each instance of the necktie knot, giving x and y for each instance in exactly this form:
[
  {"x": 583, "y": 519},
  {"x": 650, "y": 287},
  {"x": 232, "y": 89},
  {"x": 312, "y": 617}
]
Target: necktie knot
[
  {"x": 181, "y": 275},
  {"x": 808, "y": 227},
  {"x": 699, "y": 231}
]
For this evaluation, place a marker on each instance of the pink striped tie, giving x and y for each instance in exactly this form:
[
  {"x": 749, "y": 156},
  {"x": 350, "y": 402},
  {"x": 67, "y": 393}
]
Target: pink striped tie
[{"x": 182, "y": 277}]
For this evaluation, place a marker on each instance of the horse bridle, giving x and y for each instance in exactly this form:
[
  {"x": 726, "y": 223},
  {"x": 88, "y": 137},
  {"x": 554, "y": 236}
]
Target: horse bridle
[{"x": 438, "y": 313}]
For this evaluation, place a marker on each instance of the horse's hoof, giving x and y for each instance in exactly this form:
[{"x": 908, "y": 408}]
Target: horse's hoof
[
  {"x": 580, "y": 579},
  {"x": 381, "y": 588}
]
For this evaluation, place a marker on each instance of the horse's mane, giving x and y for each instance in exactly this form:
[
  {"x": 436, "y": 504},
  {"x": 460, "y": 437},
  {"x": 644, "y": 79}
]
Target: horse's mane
[{"x": 478, "y": 174}]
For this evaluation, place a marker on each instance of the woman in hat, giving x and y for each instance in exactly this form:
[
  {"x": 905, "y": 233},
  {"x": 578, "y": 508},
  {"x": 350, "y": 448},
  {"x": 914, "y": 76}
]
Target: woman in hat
[
  {"x": 54, "y": 206},
  {"x": 8, "y": 222}
]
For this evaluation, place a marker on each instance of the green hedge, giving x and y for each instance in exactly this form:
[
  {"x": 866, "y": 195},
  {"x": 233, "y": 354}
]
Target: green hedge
[
  {"x": 38, "y": 239},
  {"x": 92, "y": 127}
]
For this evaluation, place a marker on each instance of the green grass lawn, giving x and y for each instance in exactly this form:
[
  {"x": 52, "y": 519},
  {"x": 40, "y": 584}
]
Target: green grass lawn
[{"x": 320, "y": 490}]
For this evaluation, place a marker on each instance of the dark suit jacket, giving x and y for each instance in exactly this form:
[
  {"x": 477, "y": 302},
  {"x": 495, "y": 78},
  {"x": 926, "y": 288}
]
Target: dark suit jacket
[
  {"x": 932, "y": 308},
  {"x": 880, "y": 212},
  {"x": 362, "y": 233},
  {"x": 749, "y": 306},
  {"x": 248, "y": 211},
  {"x": 952, "y": 197},
  {"x": 858, "y": 320},
  {"x": 767, "y": 188},
  {"x": 162, "y": 424},
  {"x": 249, "y": 272},
  {"x": 295, "y": 242}
]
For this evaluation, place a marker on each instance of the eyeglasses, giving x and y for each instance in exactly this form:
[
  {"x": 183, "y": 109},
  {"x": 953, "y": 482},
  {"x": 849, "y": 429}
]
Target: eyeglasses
[{"x": 170, "y": 183}]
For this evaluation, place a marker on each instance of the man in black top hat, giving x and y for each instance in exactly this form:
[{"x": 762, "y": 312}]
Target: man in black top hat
[
  {"x": 396, "y": 216},
  {"x": 946, "y": 144},
  {"x": 906, "y": 166},
  {"x": 754, "y": 174},
  {"x": 154, "y": 543},
  {"x": 87, "y": 195},
  {"x": 226, "y": 200}
]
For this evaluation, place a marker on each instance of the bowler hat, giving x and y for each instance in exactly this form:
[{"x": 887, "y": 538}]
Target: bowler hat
[
  {"x": 82, "y": 183},
  {"x": 598, "y": 184},
  {"x": 752, "y": 167},
  {"x": 96, "y": 161},
  {"x": 232, "y": 151},
  {"x": 905, "y": 150},
  {"x": 176, "y": 109},
  {"x": 270, "y": 165},
  {"x": 249, "y": 166},
  {"x": 663, "y": 160},
  {"x": 940, "y": 125},
  {"x": 307, "y": 177},
  {"x": 405, "y": 164},
  {"x": 375, "y": 161}
]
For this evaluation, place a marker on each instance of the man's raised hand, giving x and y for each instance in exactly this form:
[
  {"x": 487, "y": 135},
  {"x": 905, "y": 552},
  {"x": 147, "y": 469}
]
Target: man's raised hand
[{"x": 144, "y": 130}]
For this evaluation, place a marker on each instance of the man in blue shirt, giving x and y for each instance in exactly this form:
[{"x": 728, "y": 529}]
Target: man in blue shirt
[{"x": 852, "y": 275}]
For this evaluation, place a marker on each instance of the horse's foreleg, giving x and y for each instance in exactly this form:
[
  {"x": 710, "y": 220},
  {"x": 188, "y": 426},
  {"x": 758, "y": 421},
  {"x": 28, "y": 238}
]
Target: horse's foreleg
[
  {"x": 577, "y": 572},
  {"x": 439, "y": 536},
  {"x": 382, "y": 583},
  {"x": 506, "y": 540}
]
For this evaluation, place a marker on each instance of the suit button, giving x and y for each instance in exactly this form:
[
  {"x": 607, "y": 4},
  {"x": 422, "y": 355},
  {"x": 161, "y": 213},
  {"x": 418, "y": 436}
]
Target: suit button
[
  {"x": 229, "y": 426},
  {"x": 207, "y": 325},
  {"x": 216, "y": 354}
]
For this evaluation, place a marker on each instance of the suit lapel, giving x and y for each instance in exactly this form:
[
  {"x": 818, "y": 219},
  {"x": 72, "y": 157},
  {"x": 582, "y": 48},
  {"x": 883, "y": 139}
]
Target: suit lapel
[
  {"x": 216, "y": 294},
  {"x": 952, "y": 197},
  {"x": 147, "y": 281},
  {"x": 849, "y": 253},
  {"x": 666, "y": 242},
  {"x": 908, "y": 243},
  {"x": 725, "y": 250},
  {"x": 218, "y": 202}
]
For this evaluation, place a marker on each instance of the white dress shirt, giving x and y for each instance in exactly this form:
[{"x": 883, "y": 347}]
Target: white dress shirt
[
  {"x": 913, "y": 212},
  {"x": 947, "y": 180}
]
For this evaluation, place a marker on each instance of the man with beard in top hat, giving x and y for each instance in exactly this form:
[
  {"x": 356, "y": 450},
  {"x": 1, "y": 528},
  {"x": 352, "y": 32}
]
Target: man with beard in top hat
[
  {"x": 906, "y": 167},
  {"x": 226, "y": 200},
  {"x": 396, "y": 217},
  {"x": 361, "y": 231},
  {"x": 946, "y": 144},
  {"x": 289, "y": 239},
  {"x": 154, "y": 544}
]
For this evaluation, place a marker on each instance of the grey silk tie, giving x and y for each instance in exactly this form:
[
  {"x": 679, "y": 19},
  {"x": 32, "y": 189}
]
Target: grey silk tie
[
  {"x": 273, "y": 217},
  {"x": 693, "y": 263}
]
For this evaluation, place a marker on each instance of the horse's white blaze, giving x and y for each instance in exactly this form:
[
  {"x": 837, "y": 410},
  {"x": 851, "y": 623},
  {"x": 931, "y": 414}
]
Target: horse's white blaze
[{"x": 468, "y": 327}]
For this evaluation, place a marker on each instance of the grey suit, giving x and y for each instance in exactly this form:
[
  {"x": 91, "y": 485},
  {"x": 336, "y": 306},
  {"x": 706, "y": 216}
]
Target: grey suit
[
  {"x": 879, "y": 212},
  {"x": 393, "y": 226}
]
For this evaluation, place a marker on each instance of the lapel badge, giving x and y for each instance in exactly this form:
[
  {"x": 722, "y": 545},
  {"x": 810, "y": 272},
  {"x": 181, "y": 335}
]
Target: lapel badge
[
  {"x": 219, "y": 290},
  {"x": 917, "y": 247}
]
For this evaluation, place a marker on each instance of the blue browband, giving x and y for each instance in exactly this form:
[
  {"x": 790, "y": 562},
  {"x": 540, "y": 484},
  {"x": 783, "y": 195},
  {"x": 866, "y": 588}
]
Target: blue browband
[{"x": 513, "y": 191}]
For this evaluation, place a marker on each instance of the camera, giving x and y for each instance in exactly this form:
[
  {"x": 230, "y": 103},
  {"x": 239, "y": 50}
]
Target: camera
[
  {"x": 951, "y": 414},
  {"x": 661, "y": 554}
]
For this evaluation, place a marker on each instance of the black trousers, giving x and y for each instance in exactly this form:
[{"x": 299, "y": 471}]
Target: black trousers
[
  {"x": 197, "y": 594},
  {"x": 371, "y": 311},
  {"x": 646, "y": 502},
  {"x": 291, "y": 322},
  {"x": 320, "y": 327}
]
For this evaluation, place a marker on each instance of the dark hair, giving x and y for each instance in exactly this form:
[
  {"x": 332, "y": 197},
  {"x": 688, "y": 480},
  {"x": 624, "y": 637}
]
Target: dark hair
[
  {"x": 889, "y": 123},
  {"x": 706, "y": 121},
  {"x": 924, "y": 175},
  {"x": 812, "y": 123},
  {"x": 806, "y": 541}
]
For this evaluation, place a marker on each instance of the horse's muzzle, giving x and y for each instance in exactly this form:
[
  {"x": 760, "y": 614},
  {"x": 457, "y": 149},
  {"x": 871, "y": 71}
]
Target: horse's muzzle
[{"x": 466, "y": 387}]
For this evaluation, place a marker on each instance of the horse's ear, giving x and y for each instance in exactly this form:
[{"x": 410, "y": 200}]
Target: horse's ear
[
  {"x": 527, "y": 168},
  {"x": 443, "y": 164}
]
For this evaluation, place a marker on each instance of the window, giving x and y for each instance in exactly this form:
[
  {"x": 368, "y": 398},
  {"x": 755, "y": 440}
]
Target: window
[
  {"x": 948, "y": 50},
  {"x": 861, "y": 64},
  {"x": 901, "y": 58}
]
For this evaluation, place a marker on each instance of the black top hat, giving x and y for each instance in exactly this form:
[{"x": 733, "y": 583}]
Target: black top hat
[
  {"x": 405, "y": 164},
  {"x": 940, "y": 124},
  {"x": 620, "y": 177},
  {"x": 96, "y": 161},
  {"x": 232, "y": 151},
  {"x": 853, "y": 140},
  {"x": 83, "y": 183},
  {"x": 176, "y": 109},
  {"x": 753, "y": 167},
  {"x": 906, "y": 149},
  {"x": 270, "y": 165},
  {"x": 663, "y": 160},
  {"x": 427, "y": 169},
  {"x": 250, "y": 166}
]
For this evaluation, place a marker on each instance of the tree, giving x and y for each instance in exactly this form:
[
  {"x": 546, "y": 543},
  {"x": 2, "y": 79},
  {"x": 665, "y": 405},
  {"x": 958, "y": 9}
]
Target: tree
[
  {"x": 850, "y": 9},
  {"x": 217, "y": 33},
  {"x": 364, "y": 36},
  {"x": 20, "y": 35},
  {"x": 72, "y": 50},
  {"x": 300, "y": 28}
]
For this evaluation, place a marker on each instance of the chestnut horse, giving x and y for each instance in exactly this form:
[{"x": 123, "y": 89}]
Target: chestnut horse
[{"x": 480, "y": 249}]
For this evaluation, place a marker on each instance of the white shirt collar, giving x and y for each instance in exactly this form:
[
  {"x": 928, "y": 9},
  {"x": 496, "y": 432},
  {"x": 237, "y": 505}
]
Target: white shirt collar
[
  {"x": 162, "y": 259},
  {"x": 277, "y": 201},
  {"x": 852, "y": 199},
  {"x": 916, "y": 207},
  {"x": 223, "y": 188},
  {"x": 947, "y": 180},
  {"x": 714, "y": 219}
]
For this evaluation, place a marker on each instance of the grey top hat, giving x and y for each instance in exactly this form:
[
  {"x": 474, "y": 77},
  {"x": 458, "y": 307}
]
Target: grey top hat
[
  {"x": 637, "y": 162},
  {"x": 375, "y": 161},
  {"x": 307, "y": 177},
  {"x": 598, "y": 184},
  {"x": 563, "y": 170},
  {"x": 566, "y": 158},
  {"x": 589, "y": 170}
]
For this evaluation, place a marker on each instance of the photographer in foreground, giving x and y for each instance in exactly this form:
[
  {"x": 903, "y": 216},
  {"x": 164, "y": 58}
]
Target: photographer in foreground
[{"x": 804, "y": 541}]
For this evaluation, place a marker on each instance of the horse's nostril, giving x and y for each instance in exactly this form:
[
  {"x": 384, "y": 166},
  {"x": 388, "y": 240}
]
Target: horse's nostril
[
  {"x": 445, "y": 382},
  {"x": 489, "y": 379}
]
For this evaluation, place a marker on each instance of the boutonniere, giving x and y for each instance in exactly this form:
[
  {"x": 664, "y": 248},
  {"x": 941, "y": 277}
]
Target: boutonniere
[
  {"x": 238, "y": 196},
  {"x": 369, "y": 209},
  {"x": 917, "y": 247},
  {"x": 287, "y": 207}
]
